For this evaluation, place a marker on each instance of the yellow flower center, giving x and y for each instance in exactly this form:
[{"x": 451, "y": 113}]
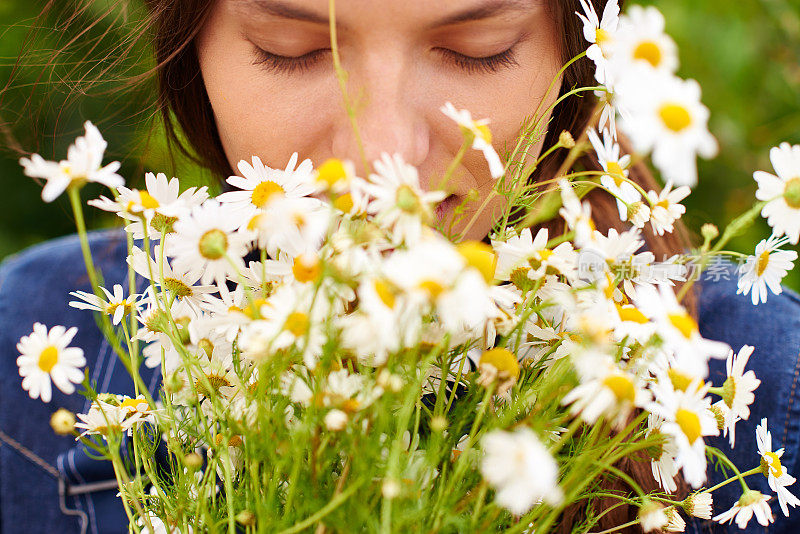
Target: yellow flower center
[
  {"x": 432, "y": 287},
  {"x": 680, "y": 381},
  {"x": 177, "y": 287},
  {"x": 601, "y": 36},
  {"x": 215, "y": 381},
  {"x": 306, "y": 268},
  {"x": 331, "y": 172},
  {"x": 384, "y": 292},
  {"x": 631, "y": 313},
  {"x": 480, "y": 256},
  {"x": 773, "y": 463},
  {"x": 621, "y": 386},
  {"x": 344, "y": 202},
  {"x": 684, "y": 323},
  {"x": 484, "y": 133},
  {"x": 503, "y": 360},
  {"x": 689, "y": 423},
  {"x": 675, "y": 117},
  {"x": 762, "y": 263},
  {"x": 616, "y": 172},
  {"x": 48, "y": 358},
  {"x": 648, "y": 51},
  {"x": 133, "y": 404},
  {"x": 297, "y": 323},
  {"x": 147, "y": 201},
  {"x": 264, "y": 192}
]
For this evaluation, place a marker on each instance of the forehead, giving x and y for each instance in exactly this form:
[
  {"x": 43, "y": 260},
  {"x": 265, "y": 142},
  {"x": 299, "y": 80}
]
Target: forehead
[{"x": 417, "y": 14}]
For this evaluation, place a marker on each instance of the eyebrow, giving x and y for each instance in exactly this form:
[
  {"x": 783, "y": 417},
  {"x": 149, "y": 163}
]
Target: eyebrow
[{"x": 486, "y": 10}]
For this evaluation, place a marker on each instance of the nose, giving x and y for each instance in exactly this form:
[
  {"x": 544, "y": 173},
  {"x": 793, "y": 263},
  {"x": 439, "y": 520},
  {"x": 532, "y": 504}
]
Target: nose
[{"x": 388, "y": 111}]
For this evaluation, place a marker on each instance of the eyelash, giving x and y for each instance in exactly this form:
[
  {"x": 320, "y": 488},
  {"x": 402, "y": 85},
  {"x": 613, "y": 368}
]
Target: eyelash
[{"x": 471, "y": 65}]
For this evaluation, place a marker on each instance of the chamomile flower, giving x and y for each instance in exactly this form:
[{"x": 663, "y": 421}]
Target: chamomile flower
[
  {"x": 45, "y": 356},
  {"x": 161, "y": 204},
  {"x": 737, "y": 390},
  {"x": 600, "y": 33},
  {"x": 699, "y": 504},
  {"x": 751, "y": 503},
  {"x": 397, "y": 200},
  {"x": 105, "y": 419},
  {"x": 520, "y": 469},
  {"x": 666, "y": 207},
  {"x": 260, "y": 184},
  {"x": 687, "y": 419},
  {"x": 180, "y": 282},
  {"x": 529, "y": 257},
  {"x": 766, "y": 269},
  {"x": 777, "y": 475},
  {"x": 83, "y": 164},
  {"x": 610, "y": 392},
  {"x": 616, "y": 174},
  {"x": 480, "y": 134},
  {"x": 667, "y": 118},
  {"x": 640, "y": 41},
  {"x": 207, "y": 241},
  {"x": 117, "y": 305},
  {"x": 782, "y": 192},
  {"x": 291, "y": 225}
]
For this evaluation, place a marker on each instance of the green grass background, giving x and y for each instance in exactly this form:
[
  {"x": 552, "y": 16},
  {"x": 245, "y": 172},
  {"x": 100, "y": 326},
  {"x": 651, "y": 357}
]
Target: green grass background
[{"x": 744, "y": 53}]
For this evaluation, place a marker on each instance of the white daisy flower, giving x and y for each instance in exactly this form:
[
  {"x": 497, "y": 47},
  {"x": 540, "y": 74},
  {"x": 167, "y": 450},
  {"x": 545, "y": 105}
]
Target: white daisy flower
[
  {"x": 667, "y": 118},
  {"x": 529, "y": 257},
  {"x": 600, "y": 33},
  {"x": 117, "y": 306},
  {"x": 750, "y": 503},
  {"x": 679, "y": 330},
  {"x": 161, "y": 204},
  {"x": 260, "y": 184},
  {"x": 699, "y": 504},
  {"x": 652, "y": 516},
  {"x": 397, "y": 200},
  {"x": 640, "y": 41},
  {"x": 610, "y": 392},
  {"x": 83, "y": 164},
  {"x": 207, "y": 241},
  {"x": 45, "y": 357},
  {"x": 616, "y": 173},
  {"x": 481, "y": 136},
  {"x": 782, "y": 191},
  {"x": 766, "y": 269},
  {"x": 777, "y": 475},
  {"x": 291, "y": 226},
  {"x": 737, "y": 391},
  {"x": 179, "y": 282},
  {"x": 687, "y": 418},
  {"x": 104, "y": 419},
  {"x": 666, "y": 207},
  {"x": 520, "y": 469}
]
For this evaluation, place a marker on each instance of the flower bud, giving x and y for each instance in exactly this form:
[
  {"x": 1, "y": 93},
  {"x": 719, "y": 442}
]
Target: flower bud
[
  {"x": 566, "y": 140},
  {"x": 193, "y": 460},
  {"x": 709, "y": 231},
  {"x": 62, "y": 422},
  {"x": 336, "y": 420}
]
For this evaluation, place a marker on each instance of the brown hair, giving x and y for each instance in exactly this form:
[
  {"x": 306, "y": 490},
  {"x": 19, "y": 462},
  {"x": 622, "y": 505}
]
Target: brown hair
[{"x": 189, "y": 122}]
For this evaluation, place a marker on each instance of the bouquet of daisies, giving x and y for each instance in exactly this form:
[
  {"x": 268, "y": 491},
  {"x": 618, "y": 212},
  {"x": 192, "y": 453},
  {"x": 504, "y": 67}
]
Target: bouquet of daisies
[{"x": 333, "y": 361}]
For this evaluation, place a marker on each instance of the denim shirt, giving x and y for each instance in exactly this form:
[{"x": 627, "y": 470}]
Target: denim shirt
[{"x": 59, "y": 488}]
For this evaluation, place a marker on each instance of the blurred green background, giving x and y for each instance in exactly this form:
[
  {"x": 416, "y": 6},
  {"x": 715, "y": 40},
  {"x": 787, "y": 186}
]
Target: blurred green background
[{"x": 744, "y": 53}]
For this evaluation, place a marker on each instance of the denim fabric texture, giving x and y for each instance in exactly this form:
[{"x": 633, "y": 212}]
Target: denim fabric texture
[{"x": 35, "y": 286}]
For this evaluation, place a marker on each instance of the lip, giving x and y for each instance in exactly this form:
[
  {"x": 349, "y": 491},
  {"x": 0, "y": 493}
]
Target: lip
[{"x": 444, "y": 206}]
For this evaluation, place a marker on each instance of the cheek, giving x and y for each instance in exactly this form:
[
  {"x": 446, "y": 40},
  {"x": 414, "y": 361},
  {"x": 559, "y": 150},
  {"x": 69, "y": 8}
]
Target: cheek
[{"x": 259, "y": 112}]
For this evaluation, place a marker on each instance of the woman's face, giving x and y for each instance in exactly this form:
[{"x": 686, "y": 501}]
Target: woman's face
[{"x": 269, "y": 73}]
